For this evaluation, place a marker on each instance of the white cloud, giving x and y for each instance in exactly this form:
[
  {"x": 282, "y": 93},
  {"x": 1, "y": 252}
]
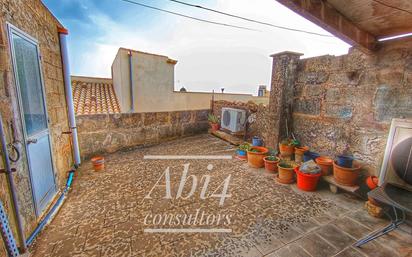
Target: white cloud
[{"x": 212, "y": 56}]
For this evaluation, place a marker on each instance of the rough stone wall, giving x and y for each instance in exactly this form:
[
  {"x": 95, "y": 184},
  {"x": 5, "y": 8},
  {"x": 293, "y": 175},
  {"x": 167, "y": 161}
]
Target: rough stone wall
[
  {"x": 107, "y": 133},
  {"x": 34, "y": 19},
  {"x": 281, "y": 96},
  {"x": 259, "y": 111},
  {"x": 348, "y": 101}
]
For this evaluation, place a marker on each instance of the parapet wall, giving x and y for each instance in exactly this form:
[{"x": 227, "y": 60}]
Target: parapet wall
[{"x": 107, "y": 133}]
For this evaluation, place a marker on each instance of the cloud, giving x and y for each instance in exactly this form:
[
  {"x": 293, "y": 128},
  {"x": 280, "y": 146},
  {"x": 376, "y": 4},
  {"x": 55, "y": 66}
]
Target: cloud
[{"x": 210, "y": 56}]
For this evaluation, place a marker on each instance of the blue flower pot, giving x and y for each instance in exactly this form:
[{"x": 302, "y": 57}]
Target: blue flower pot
[
  {"x": 308, "y": 155},
  {"x": 345, "y": 161},
  {"x": 241, "y": 152},
  {"x": 257, "y": 141}
]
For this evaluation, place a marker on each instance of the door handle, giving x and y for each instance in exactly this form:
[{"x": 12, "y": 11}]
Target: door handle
[{"x": 31, "y": 141}]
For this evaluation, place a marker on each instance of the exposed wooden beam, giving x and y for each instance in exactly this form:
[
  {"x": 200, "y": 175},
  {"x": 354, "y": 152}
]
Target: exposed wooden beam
[{"x": 326, "y": 16}]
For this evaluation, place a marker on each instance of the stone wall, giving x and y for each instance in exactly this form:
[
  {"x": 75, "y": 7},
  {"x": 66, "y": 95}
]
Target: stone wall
[
  {"x": 348, "y": 101},
  {"x": 107, "y": 133},
  {"x": 33, "y": 18},
  {"x": 259, "y": 113}
]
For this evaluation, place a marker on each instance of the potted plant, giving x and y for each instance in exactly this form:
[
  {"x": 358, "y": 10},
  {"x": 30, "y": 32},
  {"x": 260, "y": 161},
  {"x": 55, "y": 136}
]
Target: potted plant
[
  {"x": 287, "y": 147},
  {"x": 255, "y": 156},
  {"x": 286, "y": 171},
  {"x": 271, "y": 163},
  {"x": 299, "y": 151},
  {"x": 242, "y": 151},
  {"x": 308, "y": 175},
  {"x": 214, "y": 121},
  {"x": 346, "y": 176}
]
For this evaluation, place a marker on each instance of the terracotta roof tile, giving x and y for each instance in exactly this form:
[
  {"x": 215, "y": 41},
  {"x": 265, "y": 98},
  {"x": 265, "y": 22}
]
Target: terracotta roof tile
[{"x": 94, "y": 97}]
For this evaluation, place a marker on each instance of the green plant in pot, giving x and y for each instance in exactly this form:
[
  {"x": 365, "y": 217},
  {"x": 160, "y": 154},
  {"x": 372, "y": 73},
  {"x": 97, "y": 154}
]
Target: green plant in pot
[
  {"x": 286, "y": 171},
  {"x": 271, "y": 162},
  {"x": 287, "y": 147},
  {"x": 214, "y": 121},
  {"x": 255, "y": 156},
  {"x": 242, "y": 150}
]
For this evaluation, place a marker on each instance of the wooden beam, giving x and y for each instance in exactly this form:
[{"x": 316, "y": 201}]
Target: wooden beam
[{"x": 326, "y": 16}]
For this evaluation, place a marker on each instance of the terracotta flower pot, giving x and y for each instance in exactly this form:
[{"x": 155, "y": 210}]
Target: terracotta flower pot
[
  {"x": 255, "y": 158},
  {"x": 299, "y": 151},
  {"x": 372, "y": 182},
  {"x": 307, "y": 182},
  {"x": 286, "y": 151},
  {"x": 286, "y": 175},
  {"x": 98, "y": 163},
  {"x": 326, "y": 165},
  {"x": 215, "y": 126},
  {"x": 271, "y": 166},
  {"x": 346, "y": 176}
]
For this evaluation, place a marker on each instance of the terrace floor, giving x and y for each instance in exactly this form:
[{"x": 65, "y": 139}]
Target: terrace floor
[{"x": 106, "y": 212}]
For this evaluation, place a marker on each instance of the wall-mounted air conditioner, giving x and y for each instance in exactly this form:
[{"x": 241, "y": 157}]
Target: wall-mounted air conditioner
[
  {"x": 233, "y": 120},
  {"x": 397, "y": 162}
]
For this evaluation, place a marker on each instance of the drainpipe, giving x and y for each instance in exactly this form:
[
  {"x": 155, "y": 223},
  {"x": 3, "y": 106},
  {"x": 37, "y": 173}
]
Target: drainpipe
[
  {"x": 8, "y": 170},
  {"x": 131, "y": 81},
  {"x": 69, "y": 95}
]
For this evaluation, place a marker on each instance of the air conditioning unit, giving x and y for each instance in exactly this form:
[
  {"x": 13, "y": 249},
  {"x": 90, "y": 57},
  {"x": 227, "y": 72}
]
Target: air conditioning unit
[
  {"x": 233, "y": 120},
  {"x": 397, "y": 162}
]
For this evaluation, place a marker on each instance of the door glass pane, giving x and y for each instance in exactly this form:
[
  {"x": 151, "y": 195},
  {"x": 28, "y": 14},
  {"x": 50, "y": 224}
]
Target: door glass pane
[{"x": 28, "y": 73}]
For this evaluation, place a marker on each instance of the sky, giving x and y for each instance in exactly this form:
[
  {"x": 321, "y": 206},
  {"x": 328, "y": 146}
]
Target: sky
[{"x": 210, "y": 57}]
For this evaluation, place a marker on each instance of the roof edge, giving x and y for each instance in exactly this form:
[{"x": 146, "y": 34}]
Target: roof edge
[{"x": 141, "y": 52}]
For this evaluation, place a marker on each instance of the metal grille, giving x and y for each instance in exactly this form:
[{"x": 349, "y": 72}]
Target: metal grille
[
  {"x": 6, "y": 234},
  {"x": 226, "y": 118}
]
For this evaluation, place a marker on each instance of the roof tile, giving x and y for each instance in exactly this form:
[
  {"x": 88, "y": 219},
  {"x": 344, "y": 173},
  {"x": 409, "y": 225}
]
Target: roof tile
[{"x": 94, "y": 97}]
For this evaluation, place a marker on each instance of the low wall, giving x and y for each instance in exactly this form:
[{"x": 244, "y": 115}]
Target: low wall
[
  {"x": 107, "y": 133},
  {"x": 258, "y": 111}
]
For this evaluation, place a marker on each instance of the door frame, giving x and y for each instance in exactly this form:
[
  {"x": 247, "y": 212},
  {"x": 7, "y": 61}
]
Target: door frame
[{"x": 11, "y": 29}]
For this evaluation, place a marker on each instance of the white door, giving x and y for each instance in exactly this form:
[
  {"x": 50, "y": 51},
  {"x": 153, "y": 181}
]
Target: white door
[{"x": 27, "y": 71}]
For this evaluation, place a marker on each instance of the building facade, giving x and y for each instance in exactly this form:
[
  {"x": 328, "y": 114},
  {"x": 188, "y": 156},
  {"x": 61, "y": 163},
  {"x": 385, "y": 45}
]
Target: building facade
[
  {"x": 144, "y": 82},
  {"x": 33, "y": 110}
]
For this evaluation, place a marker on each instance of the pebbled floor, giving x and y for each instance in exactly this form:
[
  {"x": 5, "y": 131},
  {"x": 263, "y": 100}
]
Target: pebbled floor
[{"x": 106, "y": 213}]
